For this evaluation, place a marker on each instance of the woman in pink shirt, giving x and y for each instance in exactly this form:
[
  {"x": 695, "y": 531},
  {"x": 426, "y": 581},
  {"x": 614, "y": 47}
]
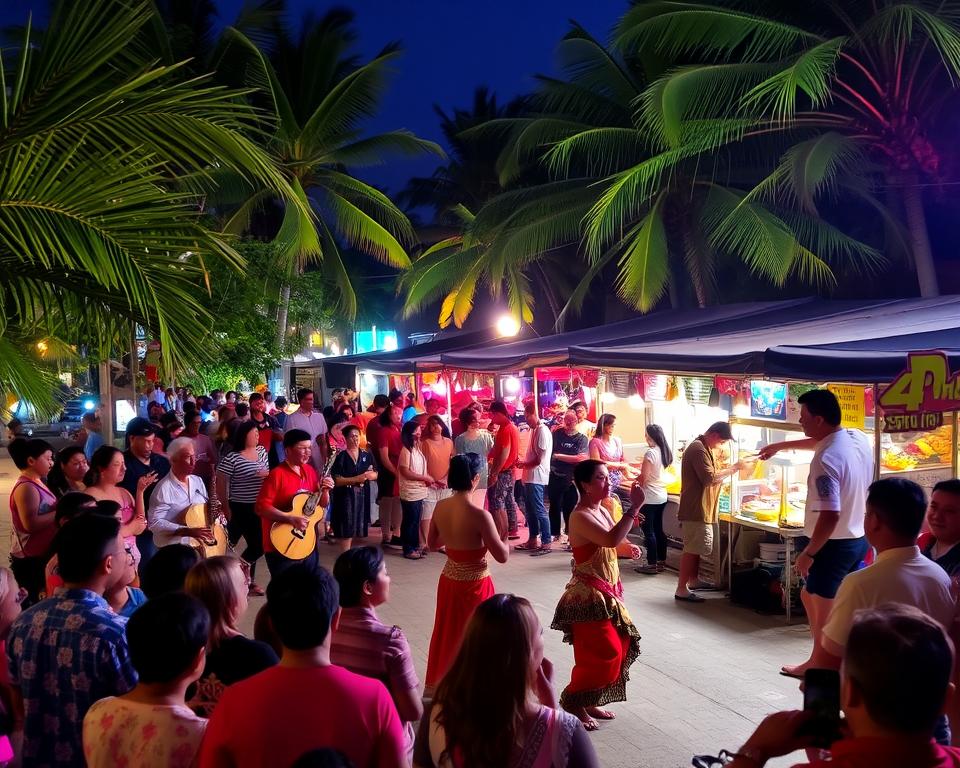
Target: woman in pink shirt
[{"x": 608, "y": 448}]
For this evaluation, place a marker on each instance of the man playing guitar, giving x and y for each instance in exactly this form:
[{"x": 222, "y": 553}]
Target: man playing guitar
[
  {"x": 276, "y": 495},
  {"x": 173, "y": 495}
]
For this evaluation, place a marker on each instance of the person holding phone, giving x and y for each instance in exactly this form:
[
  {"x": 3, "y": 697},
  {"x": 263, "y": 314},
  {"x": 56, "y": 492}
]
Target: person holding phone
[{"x": 894, "y": 686}]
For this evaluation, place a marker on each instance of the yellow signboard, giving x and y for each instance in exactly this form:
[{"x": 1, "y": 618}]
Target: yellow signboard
[{"x": 852, "y": 404}]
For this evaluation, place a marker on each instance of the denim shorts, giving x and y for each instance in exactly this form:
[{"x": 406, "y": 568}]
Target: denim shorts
[{"x": 831, "y": 565}]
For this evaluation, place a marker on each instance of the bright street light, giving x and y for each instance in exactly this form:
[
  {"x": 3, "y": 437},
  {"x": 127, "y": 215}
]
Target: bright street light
[{"x": 507, "y": 325}]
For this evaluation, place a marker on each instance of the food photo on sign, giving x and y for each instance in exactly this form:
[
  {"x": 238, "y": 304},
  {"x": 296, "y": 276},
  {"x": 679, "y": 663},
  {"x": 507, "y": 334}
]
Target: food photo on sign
[{"x": 768, "y": 400}]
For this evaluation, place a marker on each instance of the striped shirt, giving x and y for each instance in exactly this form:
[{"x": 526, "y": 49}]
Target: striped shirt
[
  {"x": 245, "y": 476},
  {"x": 366, "y": 646}
]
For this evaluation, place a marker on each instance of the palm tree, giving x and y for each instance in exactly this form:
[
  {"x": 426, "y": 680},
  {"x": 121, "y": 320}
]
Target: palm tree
[
  {"x": 853, "y": 88},
  {"x": 317, "y": 95},
  {"x": 98, "y": 229}
]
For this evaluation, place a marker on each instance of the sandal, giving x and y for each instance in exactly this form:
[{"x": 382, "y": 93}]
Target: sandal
[
  {"x": 527, "y": 547},
  {"x": 650, "y": 570},
  {"x": 693, "y": 597},
  {"x": 540, "y": 551},
  {"x": 424, "y": 552},
  {"x": 414, "y": 556},
  {"x": 255, "y": 590}
]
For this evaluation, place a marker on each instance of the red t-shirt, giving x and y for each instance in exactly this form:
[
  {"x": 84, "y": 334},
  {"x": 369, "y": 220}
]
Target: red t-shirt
[
  {"x": 265, "y": 431},
  {"x": 508, "y": 436},
  {"x": 278, "y": 490},
  {"x": 372, "y": 433},
  {"x": 890, "y": 752},
  {"x": 277, "y": 715}
]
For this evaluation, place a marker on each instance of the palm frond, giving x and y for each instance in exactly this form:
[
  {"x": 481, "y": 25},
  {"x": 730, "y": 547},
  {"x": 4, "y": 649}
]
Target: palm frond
[
  {"x": 373, "y": 150},
  {"x": 901, "y": 24},
  {"x": 364, "y": 232},
  {"x": 645, "y": 261}
]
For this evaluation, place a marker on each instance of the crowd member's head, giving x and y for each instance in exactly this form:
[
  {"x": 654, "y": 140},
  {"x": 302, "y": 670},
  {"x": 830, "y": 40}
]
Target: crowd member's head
[
  {"x": 435, "y": 427},
  {"x": 656, "y": 439},
  {"x": 281, "y": 403},
  {"x": 167, "y": 570},
  {"x": 231, "y": 397},
  {"x": 592, "y": 480},
  {"x": 396, "y": 398},
  {"x": 297, "y": 446},
  {"x": 570, "y": 422},
  {"x": 579, "y": 409},
  {"x": 15, "y": 429},
  {"x": 465, "y": 469},
  {"x": 167, "y": 637},
  {"x": 895, "y": 511},
  {"x": 221, "y": 584},
  {"x": 183, "y": 456},
  {"x": 361, "y": 574},
  {"x": 499, "y": 414},
  {"x": 351, "y": 436},
  {"x": 410, "y": 434},
  {"x": 257, "y": 405},
  {"x": 468, "y": 416},
  {"x": 32, "y": 456},
  {"x": 246, "y": 436},
  {"x": 431, "y": 405},
  {"x": 155, "y": 411},
  {"x": 391, "y": 417},
  {"x": 345, "y": 409},
  {"x": 243, "y": 411},
  {"x": 896, "y": 672},
  {"x": 68, "y": 470},
  {"x": 107, "y": 467},
  {"x": 264, "y": 632},
  {"x": 605, "y": 425},
  {"x": 717, "y": 433},
  {"x": 11, "y": 598},
  {"x": 304, "y": 604},
  {"x": 91, "y": 422},
  {"x": 478, "y": 718},
  {"x": 530, "y": 415},
  {"x": 820, "y": 413},
  {"x": 171, "y": 424},
  {"x": 141, "y": 436},
  {"x": 88, "y": 550},
  {"x": 380, "y": 404},
  {"x": 943, "y": 514},
  {"x": 305, "y": 399},
  {"x": 72, "y": 504}
]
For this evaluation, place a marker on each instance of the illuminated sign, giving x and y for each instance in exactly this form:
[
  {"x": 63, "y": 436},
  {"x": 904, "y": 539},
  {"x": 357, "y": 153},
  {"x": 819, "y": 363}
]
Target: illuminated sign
[{"x": 926, "y": 386}]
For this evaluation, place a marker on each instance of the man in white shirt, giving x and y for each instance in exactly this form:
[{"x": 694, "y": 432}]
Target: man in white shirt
[
  {"x": 313, "y": 423},
  {"x": 840, "y": 473},
  {"x": 901, "y": 574},
  {"x": 536, "y": 476},
  {"x": 173, "y": 495}
]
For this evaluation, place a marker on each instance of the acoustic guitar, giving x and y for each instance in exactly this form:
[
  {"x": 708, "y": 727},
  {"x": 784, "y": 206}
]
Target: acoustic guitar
[
  {"x": 290, "y": 541},
  {"x": 197, "y": 516}
]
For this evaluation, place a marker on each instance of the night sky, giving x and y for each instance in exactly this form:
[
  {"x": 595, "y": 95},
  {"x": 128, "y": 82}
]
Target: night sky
[{"x": 450, "y": 48}]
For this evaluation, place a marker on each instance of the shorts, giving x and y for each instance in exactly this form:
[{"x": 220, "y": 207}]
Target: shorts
[
  {"x": 831, "y": 565},
  {"x": 697, "y": 538},
  {"x": 433, "y": 496}
]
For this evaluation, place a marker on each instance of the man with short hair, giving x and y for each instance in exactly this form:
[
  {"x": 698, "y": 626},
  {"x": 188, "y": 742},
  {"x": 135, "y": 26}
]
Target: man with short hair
[
  {"x": 275, "y": 500},
  {"x": 943, "y": 517},
  {"x": 840, "y": 472},
  {"x": 900, "y": 574},
  {"x": 92, "y": 424},
  {"x": 536, "y": 475},
  {"x": 584, "y": 426},
  {"x": 313, "y": 423},
  {"x": 140, "y": 460},
  {"x": 503, "y": 458},
  {"x": 176, "y": 493},
  {"x": 895, "y": 683},
  {"x": 700, "y": 482},
  {"x": 268, "y": 430},
  {"x": 334, "y": 708},
  {"x": 68, "y": 651},
  {"x": 570, "y": 447}
]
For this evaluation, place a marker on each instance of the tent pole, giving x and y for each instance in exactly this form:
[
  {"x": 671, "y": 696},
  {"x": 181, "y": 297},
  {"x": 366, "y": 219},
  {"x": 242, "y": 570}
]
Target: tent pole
[
  {"x": 446, "y": 377},
  {"x": 877, "y": 432},
  {"x": 536, "y": 393}
]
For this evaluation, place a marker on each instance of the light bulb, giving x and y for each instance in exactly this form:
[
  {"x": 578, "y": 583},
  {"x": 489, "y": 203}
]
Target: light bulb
[
  {"x": 635, "y": 401},
  {"x": 507, "y": 325},
  {"x": 512, "y": 385},
  {"x": 608, "y": 397}
]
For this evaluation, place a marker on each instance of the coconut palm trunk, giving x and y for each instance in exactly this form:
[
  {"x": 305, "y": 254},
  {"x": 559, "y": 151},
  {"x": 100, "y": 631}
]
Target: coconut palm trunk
[{"x": 919, "y": 237}]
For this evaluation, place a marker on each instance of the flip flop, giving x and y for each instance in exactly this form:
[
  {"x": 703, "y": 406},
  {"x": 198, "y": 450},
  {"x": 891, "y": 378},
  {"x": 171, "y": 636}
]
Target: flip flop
[
  {"x": 541, "y": 551},
  {"x": 525, "y": 548},
  {"x": 794, "y": 675},
  {"x": 414, "y": 556},
  {"x": 693, "y": 597}
]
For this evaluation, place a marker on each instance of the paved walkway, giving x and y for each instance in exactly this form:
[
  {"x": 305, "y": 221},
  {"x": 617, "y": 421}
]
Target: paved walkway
[{"x": 706, "y": 677}]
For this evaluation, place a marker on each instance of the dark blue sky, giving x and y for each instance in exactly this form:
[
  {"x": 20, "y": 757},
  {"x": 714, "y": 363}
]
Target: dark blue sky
[{"x": 450, "y": 48}]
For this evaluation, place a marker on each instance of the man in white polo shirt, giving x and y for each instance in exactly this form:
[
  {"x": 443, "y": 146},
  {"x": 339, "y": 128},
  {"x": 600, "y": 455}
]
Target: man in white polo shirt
[
  {"x": 840, "y": 473},
  {"x": 536, "y": 475}
]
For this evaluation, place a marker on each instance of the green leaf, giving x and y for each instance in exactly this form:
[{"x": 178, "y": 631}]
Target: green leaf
[{"x": 645, "y": 262}]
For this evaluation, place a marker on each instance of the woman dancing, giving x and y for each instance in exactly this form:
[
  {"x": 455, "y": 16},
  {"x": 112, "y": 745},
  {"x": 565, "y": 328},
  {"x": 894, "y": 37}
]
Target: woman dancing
[
  {"x": 591, "y": 613},
  {"x": 468, "y": 532}
]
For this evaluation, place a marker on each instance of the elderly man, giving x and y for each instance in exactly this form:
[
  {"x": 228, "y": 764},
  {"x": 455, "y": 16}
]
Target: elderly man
[{"x": 178, "y": 491}]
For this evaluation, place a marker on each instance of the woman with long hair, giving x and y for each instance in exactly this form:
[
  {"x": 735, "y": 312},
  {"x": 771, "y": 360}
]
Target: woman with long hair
[
  {"x": 608, "y": 448},
  {"x": 414, "y": 482},
  {"x": 468, "y": 532},
  {"x": 69, "y": 470},
  {"x": 352, "y": 471},
  {"x": 591, "y": 613},
  {"x": 32, "y": 506},
  {"x": 516, "y": 722},
  {"x": 657, "y": 458},
  {"x": 221, "y": 583},
  {"x": 473, "y": 439},
  {"x": 438, "y": 449},
  {"x": 240, "y": 474},
  {"x": 107, "y": 468}
]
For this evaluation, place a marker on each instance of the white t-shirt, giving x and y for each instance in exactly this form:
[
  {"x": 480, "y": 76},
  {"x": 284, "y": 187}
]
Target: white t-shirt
[
  {"x": 840, "y": 473},
  {"x": 542, "y": 440},
  {"x": 416, "y": 462},
  {"x": 315, "y": 425},
  {"x": 900, "y": 575},
  {"x": 655, "y": 489}
]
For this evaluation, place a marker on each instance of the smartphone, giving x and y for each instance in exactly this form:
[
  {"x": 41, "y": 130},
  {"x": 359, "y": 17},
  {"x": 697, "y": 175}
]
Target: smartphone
[{"x": 821, "y": 697}]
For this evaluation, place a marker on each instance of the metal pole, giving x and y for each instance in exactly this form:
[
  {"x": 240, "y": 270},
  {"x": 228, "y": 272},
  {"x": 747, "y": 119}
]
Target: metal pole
[
  {"x": 536, "y": 393},
  {"x": 446, "y": 377}
]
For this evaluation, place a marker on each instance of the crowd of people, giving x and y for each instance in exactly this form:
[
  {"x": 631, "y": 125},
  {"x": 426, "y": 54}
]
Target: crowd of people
[{"x": 129, "y": 649}]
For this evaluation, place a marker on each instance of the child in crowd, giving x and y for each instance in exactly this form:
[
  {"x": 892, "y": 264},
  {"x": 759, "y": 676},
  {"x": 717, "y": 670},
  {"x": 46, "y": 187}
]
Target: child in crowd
[{"x": 151, "y": 725}]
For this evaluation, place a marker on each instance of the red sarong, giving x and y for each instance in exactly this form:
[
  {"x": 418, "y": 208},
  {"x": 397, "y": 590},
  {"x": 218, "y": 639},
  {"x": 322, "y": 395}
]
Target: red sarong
[{"x": 599, "y": 653}]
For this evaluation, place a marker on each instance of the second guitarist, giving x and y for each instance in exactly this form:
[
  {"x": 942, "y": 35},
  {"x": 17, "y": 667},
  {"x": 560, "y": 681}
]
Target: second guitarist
[{"x": 275, "y": 499}]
